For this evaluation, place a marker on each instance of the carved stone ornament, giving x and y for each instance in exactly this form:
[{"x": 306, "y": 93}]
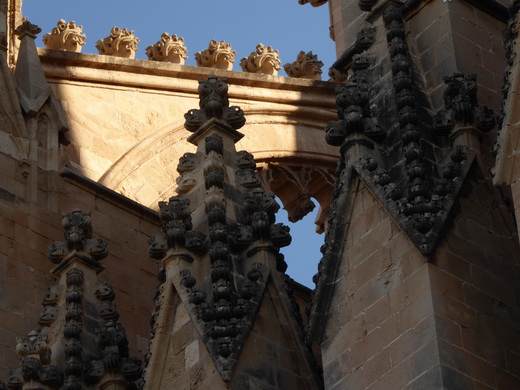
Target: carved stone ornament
[
  {"x": 35, "y": 370},
  {"x": 27, "y": 28},
  {"x": 67, "y": 37},
  {"x": 168, "y": 49},
  {"x": 263, "y": 60},
  {"x": 79, "y": 241},
  {"x": 218, "y": 55},
  {"x": 461, "y": 106},
  {"x": 306, "y": 66},
  {"x": 120, "y": 43},
  {"x": 214, "y": 103}
]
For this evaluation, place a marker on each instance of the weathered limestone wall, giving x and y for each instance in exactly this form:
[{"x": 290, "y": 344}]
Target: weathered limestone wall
[
  {"x": 380, "y": 330},
  {"x": 347, "y": 19},
  {"x": 28, "y": 228},
  {"x": 397, "y": 321},
  {"x": 475, "y": 281},
  {"x": 454, "y": 37}
]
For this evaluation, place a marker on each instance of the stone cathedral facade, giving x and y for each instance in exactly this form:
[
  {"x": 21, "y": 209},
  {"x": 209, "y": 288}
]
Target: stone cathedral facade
[{"x": 139, "y": 246}]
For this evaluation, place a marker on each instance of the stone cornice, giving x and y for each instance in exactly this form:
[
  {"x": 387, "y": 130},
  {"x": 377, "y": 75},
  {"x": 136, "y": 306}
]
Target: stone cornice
[{"x": 60, "y": 65}]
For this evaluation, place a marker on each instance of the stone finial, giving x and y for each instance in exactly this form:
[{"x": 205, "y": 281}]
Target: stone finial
[
  {"x": 219, "y": 251},
  {"x": 314, "y": 3},
  {"x": 168, "y": 49},
  {"x": 214, "y": 103},
  {"x": 461, "y": 106},
  {"x": 177, "y": 230},
  {"x": 218, "y": 55},
  {"x": 120, "y": 43},
  {"x": 78, "y": 240},
  {"x": 306, "y": 66},
  {"x": 27, "y": 28},
  {"x": 263, "y": 60},
  {"x": 67, "y": 37},
  {"x": 35, "y": 370}
]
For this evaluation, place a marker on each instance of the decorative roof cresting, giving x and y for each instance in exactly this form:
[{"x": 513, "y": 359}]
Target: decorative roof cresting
[
  {"x": 67, "y": 37},
  {"x": 120, "y": 43},
  {"x": 168, "y": 49},
  {"x": 263, "y": 60},
  {"x": 306, "y": 66}
]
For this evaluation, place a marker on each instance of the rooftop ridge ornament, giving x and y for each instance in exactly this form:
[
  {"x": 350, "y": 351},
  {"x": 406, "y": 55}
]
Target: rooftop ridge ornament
[
  {"x": 306, "y": 66},
  {"x": 66, "y": 37},
  {"x": 461, "y": 106},
  {"x": 263, "y": 60},
  {"x": 27, "y": 28},
  {"x": 214, "y": 106},
  {"x": 218, "y": 55},
  {"x": 120, "y": 43},
  {"x": 78, "y": 242},
  {"x": 168, "y": 49}
]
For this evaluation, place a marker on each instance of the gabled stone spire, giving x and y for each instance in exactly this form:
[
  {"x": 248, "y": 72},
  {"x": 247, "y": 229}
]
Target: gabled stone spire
[
  {"x": 78, "y": 322},
  {"x": 220, "y": 254},
  {"x": 419, "y": 190},
  {"x": 33, "y": 89},
  {"x": 37, "y": 101}
]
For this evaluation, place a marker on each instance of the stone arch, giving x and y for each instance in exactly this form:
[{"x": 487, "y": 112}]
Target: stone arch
[{"x": 290, "y": 150}]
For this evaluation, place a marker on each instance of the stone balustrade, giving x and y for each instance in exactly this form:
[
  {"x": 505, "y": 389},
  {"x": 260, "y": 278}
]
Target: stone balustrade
[{"x": 121, "y": 42}]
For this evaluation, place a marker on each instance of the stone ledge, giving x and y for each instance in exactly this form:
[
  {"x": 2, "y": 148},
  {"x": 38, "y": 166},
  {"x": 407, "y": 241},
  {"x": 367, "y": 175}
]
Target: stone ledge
[{"x": 151, "y": 74}]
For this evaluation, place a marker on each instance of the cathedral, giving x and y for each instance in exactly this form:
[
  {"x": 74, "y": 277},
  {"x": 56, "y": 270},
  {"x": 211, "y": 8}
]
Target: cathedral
[{"x": 139, "y": 242}]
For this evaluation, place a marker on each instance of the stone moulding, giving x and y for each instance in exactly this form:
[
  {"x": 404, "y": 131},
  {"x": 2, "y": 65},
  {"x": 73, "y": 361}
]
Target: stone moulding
[
  {"x": 120, "y": 43},
  {"x": 218, "y": 55},
  {"x": 263, "y": 60},
  {"x": 306, "y": 66},
  {"x": 67, "y": 37},
  {"x": 168, "y": 49}
]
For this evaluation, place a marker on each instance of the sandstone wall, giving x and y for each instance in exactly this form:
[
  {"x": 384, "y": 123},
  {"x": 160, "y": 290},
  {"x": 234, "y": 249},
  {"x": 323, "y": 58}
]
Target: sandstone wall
[{"x": 27, "y": 230}]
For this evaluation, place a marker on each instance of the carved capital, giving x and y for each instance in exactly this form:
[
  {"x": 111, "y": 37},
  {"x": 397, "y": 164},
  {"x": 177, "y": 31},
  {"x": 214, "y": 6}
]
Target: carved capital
[
  {"x": 306, "y": 66},
  {"x": 168, "y": 49},
  {"x": 67, "y": 37},
  {"x": 218, "y": 55},
  {"x": 263, "y": 60},
  {"x": 120, "y": 43}
]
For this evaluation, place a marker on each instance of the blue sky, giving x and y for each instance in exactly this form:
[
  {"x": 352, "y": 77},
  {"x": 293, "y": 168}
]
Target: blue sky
[{"x": 283, "y": 24}]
